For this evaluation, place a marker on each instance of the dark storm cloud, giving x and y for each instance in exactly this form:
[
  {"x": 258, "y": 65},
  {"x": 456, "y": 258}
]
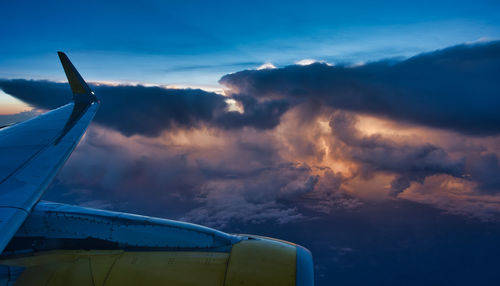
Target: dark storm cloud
[
  {"x": 485, "y": 170},
  {"x": 411, "y": 163},
  {"x": 39, "y": 93},
  {"x": 457, "y": 88},
  {"x": 262, "y": 115},
  {"x": 150, "y": 110}
]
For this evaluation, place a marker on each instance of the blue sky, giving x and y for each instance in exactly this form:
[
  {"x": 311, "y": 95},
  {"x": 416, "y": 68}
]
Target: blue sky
[{"x": 192, "y": 43}]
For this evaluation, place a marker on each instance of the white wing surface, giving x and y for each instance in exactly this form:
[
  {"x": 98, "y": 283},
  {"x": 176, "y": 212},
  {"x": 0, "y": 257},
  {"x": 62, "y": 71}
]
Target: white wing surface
[{"x": 32, "y": 152}]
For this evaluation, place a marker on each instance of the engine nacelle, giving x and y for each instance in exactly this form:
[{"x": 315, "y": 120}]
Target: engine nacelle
[
  {"x": 265, "y": 261},
  {"x": 68, "y": 245}
]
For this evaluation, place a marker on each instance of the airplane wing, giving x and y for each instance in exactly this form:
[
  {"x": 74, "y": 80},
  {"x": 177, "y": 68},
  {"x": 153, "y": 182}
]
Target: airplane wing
[
  {"x": 32, "y": 152},
  {"x": 43, "y": 243}
]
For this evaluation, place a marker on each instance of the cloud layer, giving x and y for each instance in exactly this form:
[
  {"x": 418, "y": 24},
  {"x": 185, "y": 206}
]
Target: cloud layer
[
  {"x": 137, "y": 109},
  {"x": 309, "y": 140},
  {"x": 457, "y": 88}
]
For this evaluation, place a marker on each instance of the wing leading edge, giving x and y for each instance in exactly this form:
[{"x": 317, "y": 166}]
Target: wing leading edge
[{"x": 33, "y": 151}]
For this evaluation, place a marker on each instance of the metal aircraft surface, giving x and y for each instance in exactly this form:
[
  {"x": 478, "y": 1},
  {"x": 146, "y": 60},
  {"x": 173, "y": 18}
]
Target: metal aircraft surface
[{"x": 45, "y": 243}]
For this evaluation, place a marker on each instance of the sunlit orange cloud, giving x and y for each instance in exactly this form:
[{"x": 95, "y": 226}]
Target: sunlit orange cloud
[
  {"x": 375, "y": 188},
  {"x": 195, "y": 144},
  {"x": 312, "y": 142},
  {"x": 451, "y": 194},
  {"x": 453, "y": 142},
  {"x": 404, "y": 132},
  {"x": 198, "y": 139},
  {"x": 454, "y": 195},
  {"x": 309, "y": 141}
]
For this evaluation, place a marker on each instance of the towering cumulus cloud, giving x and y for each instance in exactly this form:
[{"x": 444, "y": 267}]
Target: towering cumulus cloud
[
  {"x": 307, "y": 139},
  {"x": 375, "y": 153}
]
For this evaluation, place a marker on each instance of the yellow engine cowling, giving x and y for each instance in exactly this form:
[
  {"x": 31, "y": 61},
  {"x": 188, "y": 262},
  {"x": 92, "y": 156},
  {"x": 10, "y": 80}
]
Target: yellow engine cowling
[{"x": 252, "y": 261}]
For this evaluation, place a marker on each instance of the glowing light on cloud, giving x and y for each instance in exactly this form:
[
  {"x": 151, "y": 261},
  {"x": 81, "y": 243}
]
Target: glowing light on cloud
[
  {"x": 358, "y": 64},
  {"x": 266, "y": 66},
  {"x": 233, "y": 105},
  {"x": 306, "y": 62},
  {"x": 479, "y": 40},
  {"x": 210, "y": 88}
]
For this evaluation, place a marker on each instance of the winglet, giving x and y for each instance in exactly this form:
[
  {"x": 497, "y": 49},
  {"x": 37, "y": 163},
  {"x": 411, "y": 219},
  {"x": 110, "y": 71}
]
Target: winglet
[{"x": 82, "y": 94}]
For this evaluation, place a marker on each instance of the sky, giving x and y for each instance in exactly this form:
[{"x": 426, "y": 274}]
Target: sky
[
  {"x": 367, "y": 132},
  {"x": 190, "y": 43}
]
